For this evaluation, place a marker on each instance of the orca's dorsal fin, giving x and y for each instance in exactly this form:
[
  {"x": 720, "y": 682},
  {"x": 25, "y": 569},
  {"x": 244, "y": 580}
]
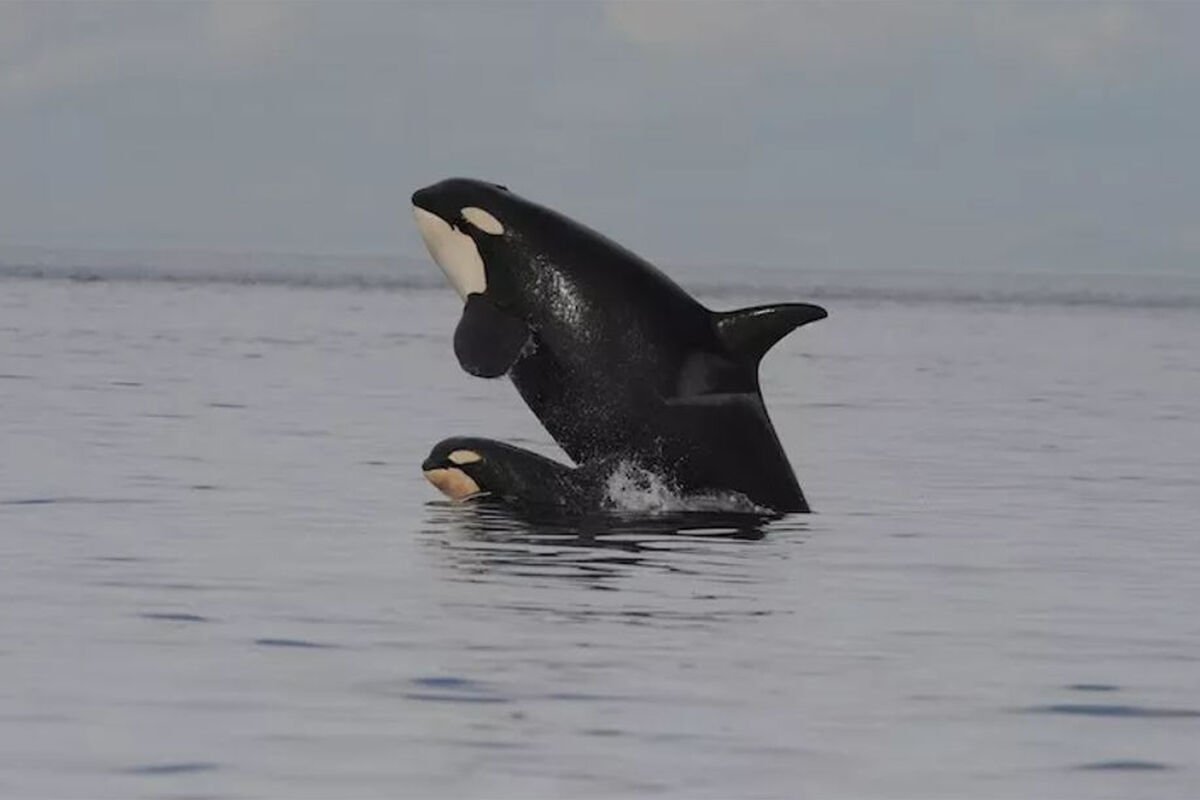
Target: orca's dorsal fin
[{"x": 748, "y": 333}]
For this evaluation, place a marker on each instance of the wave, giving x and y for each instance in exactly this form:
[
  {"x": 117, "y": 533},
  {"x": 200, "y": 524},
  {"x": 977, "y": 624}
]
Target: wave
[
  {"x": 200, "y": 267},
  {"x": 718, "y": 285},
  {"x": 967, "y": 296},
  {"x": 1116, "y": 290}
]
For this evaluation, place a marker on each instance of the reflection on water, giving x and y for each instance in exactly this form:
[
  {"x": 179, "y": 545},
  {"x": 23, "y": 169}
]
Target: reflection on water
[
  {"x": 610, "y": 529},
  {"x": 504, "y": 539},
  {"x": 697, "y": 570}
]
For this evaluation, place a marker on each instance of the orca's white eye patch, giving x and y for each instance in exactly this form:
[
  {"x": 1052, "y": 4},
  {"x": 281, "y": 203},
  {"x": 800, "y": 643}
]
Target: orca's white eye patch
[
  {"x": 482, "y": 220},
  {"x": 464, "y": 457}
]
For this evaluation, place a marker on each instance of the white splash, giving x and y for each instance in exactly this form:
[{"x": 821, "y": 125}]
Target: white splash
[{"x": 631, "y": 487}]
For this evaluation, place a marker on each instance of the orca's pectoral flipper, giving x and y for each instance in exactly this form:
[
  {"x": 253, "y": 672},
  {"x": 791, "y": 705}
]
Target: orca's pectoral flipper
[
  {"x": 749, "y": 333},
  {"x": 488, "y": 339}
]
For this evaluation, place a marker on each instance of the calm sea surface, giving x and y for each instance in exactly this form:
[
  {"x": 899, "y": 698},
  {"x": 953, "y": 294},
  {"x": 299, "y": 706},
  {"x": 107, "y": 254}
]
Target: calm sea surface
[{"x": 223, "y": 576}]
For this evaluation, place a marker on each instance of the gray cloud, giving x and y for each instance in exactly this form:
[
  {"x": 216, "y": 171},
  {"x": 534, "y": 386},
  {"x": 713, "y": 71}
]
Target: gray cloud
[{"x": 999, "y": 135}]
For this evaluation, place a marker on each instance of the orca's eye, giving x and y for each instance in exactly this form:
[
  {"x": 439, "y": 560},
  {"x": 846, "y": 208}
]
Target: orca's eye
[{"x": 482, "y": 220}]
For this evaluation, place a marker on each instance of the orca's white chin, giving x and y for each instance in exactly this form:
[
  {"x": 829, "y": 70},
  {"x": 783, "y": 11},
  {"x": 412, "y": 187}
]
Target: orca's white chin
[
  {"x": 454, "y": 483},
  {"x": 454, "y": 252}
]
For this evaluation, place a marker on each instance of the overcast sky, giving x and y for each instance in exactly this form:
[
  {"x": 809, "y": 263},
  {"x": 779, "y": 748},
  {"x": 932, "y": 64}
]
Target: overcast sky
[{"x": 825, "y": 135}]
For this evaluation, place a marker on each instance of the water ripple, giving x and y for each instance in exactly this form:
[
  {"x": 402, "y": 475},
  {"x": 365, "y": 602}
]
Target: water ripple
[
  {"x": 70, "y": 500},
  {"x": 439, "y": 688},
  {"x": 1130, "y": 765},
  {"x": 1103, "y": 710},
  {"x": 173, "y": 617},
  {"x": 178, "y": 768},
  {"x": 300, "y": 644}
]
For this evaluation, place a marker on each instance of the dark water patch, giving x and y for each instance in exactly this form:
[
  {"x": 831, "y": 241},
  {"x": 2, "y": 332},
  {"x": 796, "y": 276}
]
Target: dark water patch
[
  {"x": 1124, "y": 765},
  {"x": 927, "y": 697},
  {"x": 299, "y": 644},
  {"x": 375, "y": 463},
  {"x": 202, "y": 487},
  {"x": 167, "y": 616},
  {"x": 176, "y": 768},
  {"x": 455, "y": 698},
  {"x": 274, "y": 341},
  {"x": 471, "y": 689},
  {"x": 1092, "y": 687},
  {"x": 161, "y": 585},
  {"x": 439, "y": 689},
  {"x": 125, "y": 383},
  {"x": 160, "y": 415},
  {"x": 446, "y": 682},
  {"x": 12, "y": 376},
  {"x": 484, "y": 744},
  {"x": 1104, "y": 710},
  {"x": 119, "y": 559},
  {"x": 226, "y": 405},
  {"x": 47, "y": 501},
  {"x": 300, "y": 271},
  {"x": 32, "y": 501},
  {"x": 590, "y": 697},
  {"x": 452, "y": 688}
]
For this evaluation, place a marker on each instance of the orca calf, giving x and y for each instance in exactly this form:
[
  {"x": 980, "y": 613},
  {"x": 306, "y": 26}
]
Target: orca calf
[
  {"x": 614, "y": 358},
  {"x": 467, "y": 468}
]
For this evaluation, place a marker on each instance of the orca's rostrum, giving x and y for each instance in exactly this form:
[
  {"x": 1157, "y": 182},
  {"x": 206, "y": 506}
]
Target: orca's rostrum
[{"x": 614, "y": 358}]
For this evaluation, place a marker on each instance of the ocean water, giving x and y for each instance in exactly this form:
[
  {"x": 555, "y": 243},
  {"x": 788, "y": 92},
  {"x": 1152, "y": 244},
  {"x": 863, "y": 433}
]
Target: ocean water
[{"x": 223, "y": 576}]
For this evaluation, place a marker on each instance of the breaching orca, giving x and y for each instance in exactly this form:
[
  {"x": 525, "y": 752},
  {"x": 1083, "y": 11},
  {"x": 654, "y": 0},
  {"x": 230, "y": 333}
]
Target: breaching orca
[{"x": 613, "y": 357}]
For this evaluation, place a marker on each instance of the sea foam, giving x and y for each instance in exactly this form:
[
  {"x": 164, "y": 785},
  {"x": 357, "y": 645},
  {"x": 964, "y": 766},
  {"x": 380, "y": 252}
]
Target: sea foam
[{"x": 630, "y": 487}]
